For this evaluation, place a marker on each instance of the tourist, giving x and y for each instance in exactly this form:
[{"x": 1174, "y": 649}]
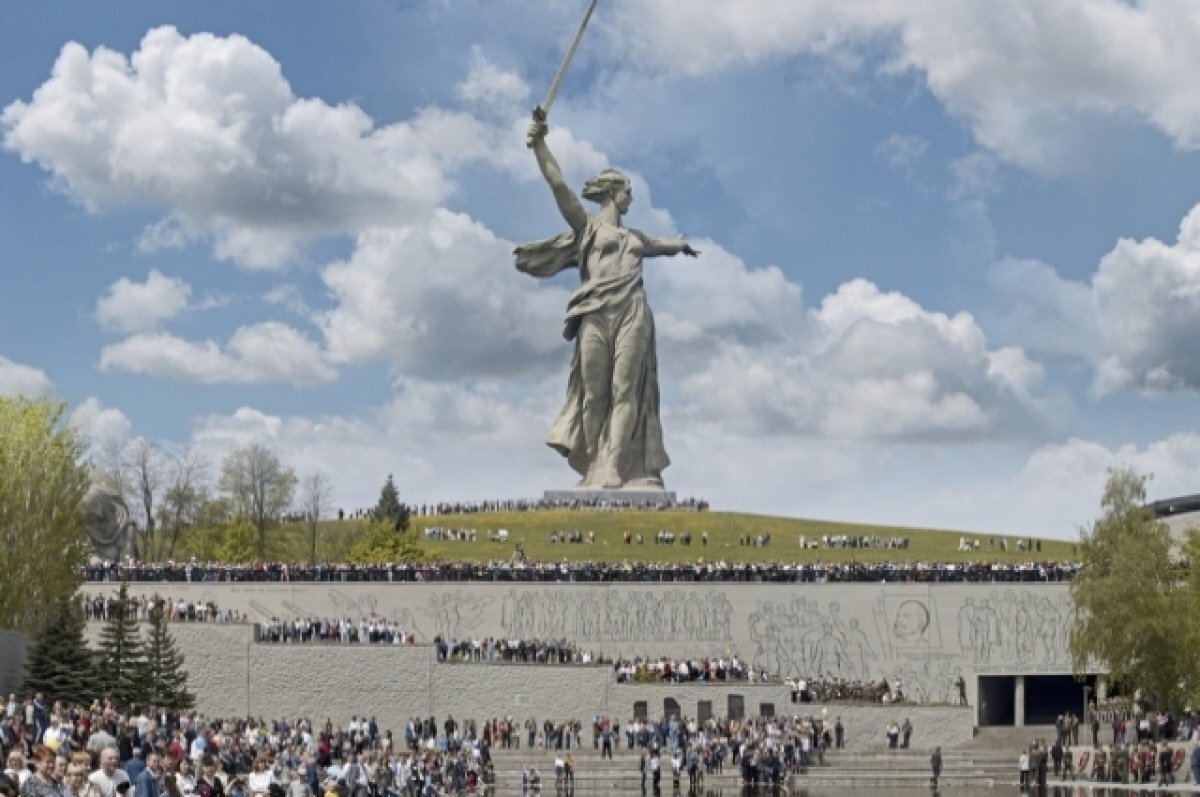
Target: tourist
[
  {"x": 1023, "y": 768},
  {"x": 41, "y": 782},
  {"x": 935, "y": 764},
  {"x": 906, "y": 730}
]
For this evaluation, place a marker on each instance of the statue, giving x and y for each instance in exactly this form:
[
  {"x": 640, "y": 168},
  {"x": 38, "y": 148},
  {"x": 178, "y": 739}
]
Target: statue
[
  {"x": 609, "y": 428},
  {"x": 109, "y": 527}
]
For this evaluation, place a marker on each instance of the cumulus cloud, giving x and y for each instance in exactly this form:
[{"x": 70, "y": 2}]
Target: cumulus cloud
[
  {"x": 1134, "y": 321},
  {"x": 492, "y": 89},
  {"x": 105, "y": 427},
  {"x": 258, "y": 353},
  {"x": 18, "y": 379},
  {"x": 208, "y": 129},
  {"x": 129, "y": 306},
  {"x": 1027, "y": 76},
  {"x": 441, "y": 299},
  {"x": 870, "y": 364}
]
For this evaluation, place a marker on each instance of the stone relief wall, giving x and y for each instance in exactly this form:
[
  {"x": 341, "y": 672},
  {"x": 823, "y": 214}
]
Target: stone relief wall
[{"x": 925, "y": 635}]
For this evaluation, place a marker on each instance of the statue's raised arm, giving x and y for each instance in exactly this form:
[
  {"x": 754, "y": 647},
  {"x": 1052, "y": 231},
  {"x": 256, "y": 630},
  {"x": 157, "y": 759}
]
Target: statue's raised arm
[{"x": 568, "y": 204}]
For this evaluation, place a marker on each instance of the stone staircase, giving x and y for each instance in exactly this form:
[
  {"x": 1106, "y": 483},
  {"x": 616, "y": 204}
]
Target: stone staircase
[{"x": 865, "y": 768}]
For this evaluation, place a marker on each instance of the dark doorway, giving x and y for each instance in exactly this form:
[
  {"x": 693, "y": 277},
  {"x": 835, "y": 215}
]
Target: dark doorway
[
  {"x": 671, "y": 708},
  {"x": 704, "y": 711},
  {"x": 996, "y": 700},
  {"x": 1048, "y": 696},
  {"x": 735, "y": 707}
]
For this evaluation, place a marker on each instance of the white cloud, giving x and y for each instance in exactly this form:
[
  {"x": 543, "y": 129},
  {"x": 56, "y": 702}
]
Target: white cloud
[
  {"x": 869, "y": 364},
  {"x": 1135, "y": 322},
  {"x": 19, "y": 379},
  {"x": 259, "y": 353},
  {"x": 129, "y": 306},
  {"x": 493, "y": 89},
  {"x": 104, "y": 426},
  {"x": 207, "y": 128},
  {"x": 442, "y": 299},
  {"x": 1027, "y": 75}
]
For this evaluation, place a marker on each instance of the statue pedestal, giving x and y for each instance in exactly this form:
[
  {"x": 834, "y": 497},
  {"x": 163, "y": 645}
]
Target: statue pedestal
[{"x": 620, "y": 497}]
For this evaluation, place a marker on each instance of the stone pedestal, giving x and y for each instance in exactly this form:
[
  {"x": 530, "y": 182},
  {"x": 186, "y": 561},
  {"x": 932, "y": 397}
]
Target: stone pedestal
[{"x": 624, "y": 496}]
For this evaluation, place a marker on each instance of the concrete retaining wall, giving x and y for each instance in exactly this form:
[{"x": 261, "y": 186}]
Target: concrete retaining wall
[{"x": 234, "y": 676}]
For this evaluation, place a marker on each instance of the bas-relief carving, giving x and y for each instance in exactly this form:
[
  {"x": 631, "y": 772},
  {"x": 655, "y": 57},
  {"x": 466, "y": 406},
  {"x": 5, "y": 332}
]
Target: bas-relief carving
[
  {"x": 1016, "y": 627},
  {"x": 799, "y": 638},
  {"x": 598, "y": 615},
  {"x": 457, "y": 614}
]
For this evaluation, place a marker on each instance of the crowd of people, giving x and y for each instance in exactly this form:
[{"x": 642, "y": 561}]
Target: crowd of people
[
  {"x": 101, "y": 607},
  {"x": 56, "y": 750},
  {"x": 826, "y": 690},
  {"x": 639, "y": 670},
  {"x": 587, "y": 571},
  {"x": 371, "y": 630},
  {"x": 540, "y": 504},
  {"x": 513, "y": 651}
]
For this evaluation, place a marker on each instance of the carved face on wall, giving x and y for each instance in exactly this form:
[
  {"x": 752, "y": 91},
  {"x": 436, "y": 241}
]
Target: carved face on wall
[{"x": 912, "y": 621}]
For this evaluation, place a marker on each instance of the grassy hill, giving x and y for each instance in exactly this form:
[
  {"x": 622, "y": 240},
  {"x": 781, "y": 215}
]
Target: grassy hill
[{"x": 725, "y": 529}]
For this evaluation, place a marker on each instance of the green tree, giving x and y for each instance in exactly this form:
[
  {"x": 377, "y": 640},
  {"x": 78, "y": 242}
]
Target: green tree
[
  {"x": 43, "y": 479},
  {"x": 1134, "y": 605},
  {"x": 259, "y": 486},
  {"x": 162, "y": 676},
  {"x": 237, "y": 547},
  {"x": 121, "y": 663},
  {"x": 388, "y": 506},
  {"x": 383, "y": 543},
  {"x": 60, "y": 664}
]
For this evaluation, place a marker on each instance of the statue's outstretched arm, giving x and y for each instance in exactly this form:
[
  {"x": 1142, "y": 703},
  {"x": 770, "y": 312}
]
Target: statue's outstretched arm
[
  {"x": 568, "y": 203},
  {"x": 660, "y": 247}
]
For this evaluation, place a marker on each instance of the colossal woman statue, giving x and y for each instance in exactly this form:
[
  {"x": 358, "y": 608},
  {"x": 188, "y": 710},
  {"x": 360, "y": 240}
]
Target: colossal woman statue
[{"x": 609, "y": 428}]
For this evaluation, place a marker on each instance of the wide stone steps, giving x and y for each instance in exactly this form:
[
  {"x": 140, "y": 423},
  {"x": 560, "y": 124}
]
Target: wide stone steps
[{"x": 859, "y": 768}]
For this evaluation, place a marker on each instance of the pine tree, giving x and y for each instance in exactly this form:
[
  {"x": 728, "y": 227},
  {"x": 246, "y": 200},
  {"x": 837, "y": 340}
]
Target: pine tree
[
  {"x": 163, "y": 677},
  {"x": 121, "y": 664},
  {"x": 388, "y": 508},
  {"x": 60, "y": 663}
]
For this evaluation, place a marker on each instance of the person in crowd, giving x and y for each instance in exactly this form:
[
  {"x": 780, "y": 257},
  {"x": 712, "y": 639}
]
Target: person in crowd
[{"x": 41, "y": 782}]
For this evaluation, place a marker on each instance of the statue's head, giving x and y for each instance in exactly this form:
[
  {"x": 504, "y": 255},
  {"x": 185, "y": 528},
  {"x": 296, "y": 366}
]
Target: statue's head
[{"x": 609, "y": 184}]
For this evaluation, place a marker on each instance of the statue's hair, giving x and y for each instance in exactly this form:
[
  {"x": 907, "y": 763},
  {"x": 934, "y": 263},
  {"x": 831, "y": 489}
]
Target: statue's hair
[{"x": 604, "y": 185}]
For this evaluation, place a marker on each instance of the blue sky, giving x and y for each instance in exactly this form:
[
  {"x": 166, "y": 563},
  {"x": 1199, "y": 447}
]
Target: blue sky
[{"x": 950, "y": 269}]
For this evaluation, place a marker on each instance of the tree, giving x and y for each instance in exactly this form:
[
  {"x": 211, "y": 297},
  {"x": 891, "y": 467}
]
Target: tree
[
  {"x": 162, "y": 676},
  {"x": 121, "y": 665},
  {"x": 145, "y": 466},
  {"x": 1134, "y": 604},
  {"x": 237, "y": 547},
  {"x": 60, "y": 663},
  {"x": 259, "y": 486},
  {"x": 317, "y": 492},
  {"x": 388, "y": 505},
  {"x": 185, "y": 495},
  {"x": 43, "y": 479},
  {"x": 383, "y": 543}
]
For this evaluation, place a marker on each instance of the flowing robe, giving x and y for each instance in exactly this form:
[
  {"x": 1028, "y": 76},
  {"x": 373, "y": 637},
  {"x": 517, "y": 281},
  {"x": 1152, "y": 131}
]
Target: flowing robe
[{"x": 642, "y": 456}]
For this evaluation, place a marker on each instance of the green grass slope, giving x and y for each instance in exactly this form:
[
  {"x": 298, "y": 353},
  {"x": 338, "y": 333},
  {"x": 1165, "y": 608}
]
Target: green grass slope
[{"x": 533, "y": 529}]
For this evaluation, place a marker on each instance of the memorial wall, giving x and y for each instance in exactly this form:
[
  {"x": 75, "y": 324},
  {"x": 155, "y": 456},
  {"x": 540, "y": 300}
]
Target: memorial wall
[{"x": 923, "y": 635}]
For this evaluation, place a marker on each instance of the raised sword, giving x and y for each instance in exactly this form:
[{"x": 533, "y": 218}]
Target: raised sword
[{"x": 542, "y": 111}]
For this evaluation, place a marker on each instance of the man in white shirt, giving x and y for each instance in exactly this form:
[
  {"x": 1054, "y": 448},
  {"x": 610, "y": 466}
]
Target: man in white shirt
[{"x": 109, "y": 776}]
